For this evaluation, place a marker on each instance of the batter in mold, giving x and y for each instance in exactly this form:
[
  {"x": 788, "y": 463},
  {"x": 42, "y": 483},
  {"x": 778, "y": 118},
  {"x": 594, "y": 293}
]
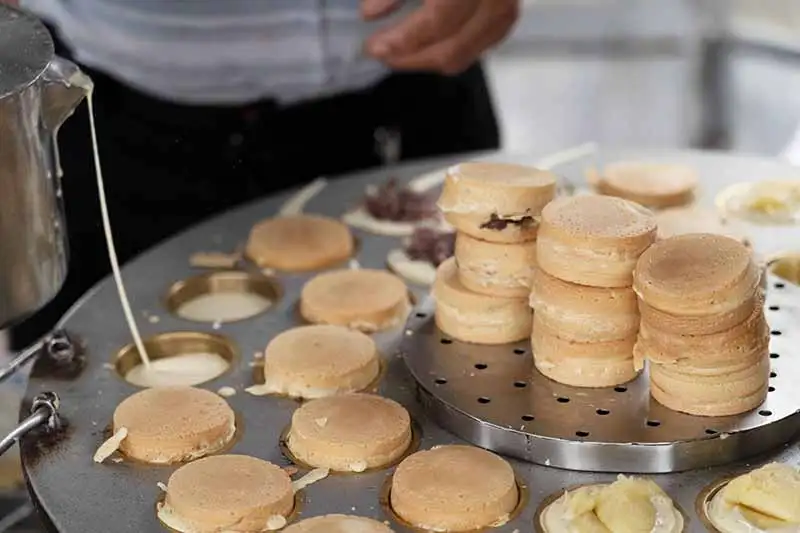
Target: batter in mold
[{"x": 766, "y": 500}]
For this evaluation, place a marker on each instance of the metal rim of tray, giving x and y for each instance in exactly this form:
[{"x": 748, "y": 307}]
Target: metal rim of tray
[{"x": 493, "y": 396}]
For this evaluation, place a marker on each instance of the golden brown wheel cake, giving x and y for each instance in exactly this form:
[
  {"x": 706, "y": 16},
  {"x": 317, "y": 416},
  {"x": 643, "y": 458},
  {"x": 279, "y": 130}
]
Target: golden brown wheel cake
[
  {"x": 350, "y": 432},
  {"x": 364, "y": 299},
  {"x": 703, "y": 327},
  {"x": 740, "y": 341},
  {"x": 496, "y": 202},
  {"x": 719, "y": 374},
  {"x": 320, "y": 360},
  {"x": 584, "y": 314},
  {"x": 732, "y": 393},
  {"x": 684, "y": 220},
  {"x": 654, "y": 185},
  {"x": 496, "y": 269},
  {"x": 696, "y": 275},
  {"x": 582, "y": 364},
  {"x": 299, "y": 243},
  {"x": 593, "y": 240},
  {"x": 174, "y": 424},
  {"x": 478, "y": 318},
  {"x": 233, "y": 493},
  {"x": 454, "y": 488},
  {"x": 692, "y": 366},
  {"x": 701, "y": 324},
  {"x": 338, "y": 523}
]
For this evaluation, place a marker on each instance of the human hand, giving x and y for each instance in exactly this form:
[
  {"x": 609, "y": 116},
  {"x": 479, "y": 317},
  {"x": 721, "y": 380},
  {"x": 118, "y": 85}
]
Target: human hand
[{"x": 445, "y": 36}]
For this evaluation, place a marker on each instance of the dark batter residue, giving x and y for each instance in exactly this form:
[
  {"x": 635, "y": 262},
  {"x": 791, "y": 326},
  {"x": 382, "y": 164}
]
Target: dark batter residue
[
  {"x": 61, "y": 364},
  {"x": 397, "y": 203},
  {"x": 43, "y": 441},
  {"x": 432, "y": 245},
  {"x": 499, "y": 224}
]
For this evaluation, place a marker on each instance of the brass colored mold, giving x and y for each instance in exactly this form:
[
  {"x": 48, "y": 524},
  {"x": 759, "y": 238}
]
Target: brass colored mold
[
  {"x": 174, "y": 344},
  {"x": 299, "y": 501},
  {"x": 385, "y": 499},
  {"x": 225, "y": 281},
  {"x": 259, "y": 379},
  {"x": 413, "y": 446}
]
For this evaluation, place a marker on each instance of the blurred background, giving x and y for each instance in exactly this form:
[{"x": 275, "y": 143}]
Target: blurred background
[
  {"x": 656, "y": 73},
  {"x": 677, "y": 73}
]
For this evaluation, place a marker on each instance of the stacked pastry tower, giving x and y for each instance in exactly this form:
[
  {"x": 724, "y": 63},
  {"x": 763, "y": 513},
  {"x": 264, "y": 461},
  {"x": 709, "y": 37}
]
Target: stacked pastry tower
[
  {"x": 586, "y": 316},
  {"x": 481, "y": 293},
  {"x": 703, "y": 327}
]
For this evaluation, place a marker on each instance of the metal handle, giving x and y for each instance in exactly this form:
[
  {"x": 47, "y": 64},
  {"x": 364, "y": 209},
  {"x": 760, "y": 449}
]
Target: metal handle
[
  {"x": 56, "y": 345},
  {"x": 44, "y": 413}
]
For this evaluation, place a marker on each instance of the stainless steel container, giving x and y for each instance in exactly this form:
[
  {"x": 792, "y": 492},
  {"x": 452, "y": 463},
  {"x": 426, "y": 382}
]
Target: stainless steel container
[{"x": 38, "y": 91}]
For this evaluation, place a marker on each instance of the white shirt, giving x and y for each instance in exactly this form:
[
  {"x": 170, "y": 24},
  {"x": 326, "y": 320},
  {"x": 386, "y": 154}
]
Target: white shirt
[{"x": 221, "y": 51}]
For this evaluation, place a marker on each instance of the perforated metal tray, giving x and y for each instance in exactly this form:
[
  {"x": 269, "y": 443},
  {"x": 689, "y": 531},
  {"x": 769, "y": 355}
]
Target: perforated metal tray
[
  {"x": 494, "y": 397},
  {"x": 78, "y": 496}
]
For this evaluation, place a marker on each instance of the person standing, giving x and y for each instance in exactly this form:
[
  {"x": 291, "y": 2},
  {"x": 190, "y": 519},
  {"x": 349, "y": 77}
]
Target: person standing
[{"x": 202, "y": 105}]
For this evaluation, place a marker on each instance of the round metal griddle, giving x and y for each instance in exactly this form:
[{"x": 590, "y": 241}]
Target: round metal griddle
[{"x": 79, "y": 496}]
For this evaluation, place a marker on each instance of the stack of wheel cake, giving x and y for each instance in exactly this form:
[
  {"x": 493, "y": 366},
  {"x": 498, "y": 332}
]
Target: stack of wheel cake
[
  {"x": 585, "y": 311},
  {"x": 481, "y": 293},
  {"x": 703, "y": 328}
]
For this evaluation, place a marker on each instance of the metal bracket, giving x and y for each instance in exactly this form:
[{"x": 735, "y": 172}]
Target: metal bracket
[
  {"x": 57, "y": 345},
  {"x": 44, "y": 413}
]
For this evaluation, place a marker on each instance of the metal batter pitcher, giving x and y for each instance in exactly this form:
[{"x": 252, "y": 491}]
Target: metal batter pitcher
[{"x": 37, "y": 93}]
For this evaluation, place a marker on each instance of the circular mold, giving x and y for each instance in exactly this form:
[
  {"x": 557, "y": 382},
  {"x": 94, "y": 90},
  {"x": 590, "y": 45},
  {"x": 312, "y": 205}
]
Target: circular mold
[
  {"x": 259, "y": 379},
  {"x": 769, "y": 202},
  {"x": 785, "y": 266},
  {"x": 176, "y": 344},
  {"x": 237, "y": 436},
  {"x": 299, "y": 501},
  {"x": 416, "y": 438},
  {"x": 704, "y": 498},
  {"x": 708, "y": 493},
  {"x": 385, "y": 499},
  {"x": 223, "y": 297},
  {"x": 412, "y": 300},
  {"x": 350, "y": 261},
  {"x": 537, "y": 517}
]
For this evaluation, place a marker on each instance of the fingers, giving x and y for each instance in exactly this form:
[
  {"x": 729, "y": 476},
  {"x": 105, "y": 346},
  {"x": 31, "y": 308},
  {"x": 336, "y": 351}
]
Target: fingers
[
  {"x": 434, "y": 21},
  {"x": 374, "y": 9},
  {"x": 488, "y": 25}
]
